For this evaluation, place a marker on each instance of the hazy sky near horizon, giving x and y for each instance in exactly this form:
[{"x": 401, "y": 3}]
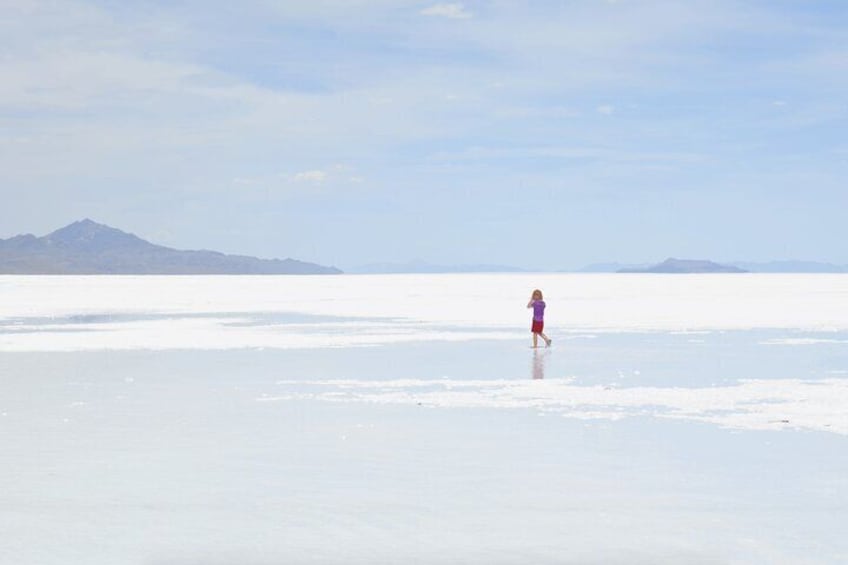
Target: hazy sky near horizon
[{"x": 535, "y": 134}]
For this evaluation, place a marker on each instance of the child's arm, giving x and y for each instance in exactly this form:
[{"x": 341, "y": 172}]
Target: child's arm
[{"x": 530, "y": 304}]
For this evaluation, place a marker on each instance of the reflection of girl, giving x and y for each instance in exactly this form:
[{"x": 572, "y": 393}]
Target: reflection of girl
[
  {"x": 539, "y": 360},
  {"x": 538, "y": 306}
]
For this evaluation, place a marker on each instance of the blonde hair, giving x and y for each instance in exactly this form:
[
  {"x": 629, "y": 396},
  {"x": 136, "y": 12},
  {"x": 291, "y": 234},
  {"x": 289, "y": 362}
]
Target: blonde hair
[{"x": 538, "y": 293}]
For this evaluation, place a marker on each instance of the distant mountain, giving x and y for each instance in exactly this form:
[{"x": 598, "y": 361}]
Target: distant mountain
[
  {"x": 672, "y": 265},
  {"x": 421, "y": 267},
  {"x": 747, "y": 266},
  {"x": 87, "y": 247},
  {"x": 791, "y": 267}
]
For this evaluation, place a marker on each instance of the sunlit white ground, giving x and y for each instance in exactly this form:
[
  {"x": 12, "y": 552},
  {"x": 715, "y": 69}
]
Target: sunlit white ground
[{"x": 384, "y": 419}]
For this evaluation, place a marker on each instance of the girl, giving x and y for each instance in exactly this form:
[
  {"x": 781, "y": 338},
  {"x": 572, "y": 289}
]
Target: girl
[{"x": 538, "y": 306}]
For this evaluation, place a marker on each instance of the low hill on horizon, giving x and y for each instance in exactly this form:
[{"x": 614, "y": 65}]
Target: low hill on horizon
[
  {"x": 420, "y": 267},
  {"x": 672, "y": 265},
  {"x": 783, "y": 266},
  {"x": 88, "y": 248}
]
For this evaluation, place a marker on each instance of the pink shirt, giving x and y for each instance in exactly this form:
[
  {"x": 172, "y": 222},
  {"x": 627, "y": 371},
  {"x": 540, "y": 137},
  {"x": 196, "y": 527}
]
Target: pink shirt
[{"x": 539, "y": 310}]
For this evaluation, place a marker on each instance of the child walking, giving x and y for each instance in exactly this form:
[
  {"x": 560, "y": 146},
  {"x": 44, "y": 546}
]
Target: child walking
[{"x": 538, "y": 306}]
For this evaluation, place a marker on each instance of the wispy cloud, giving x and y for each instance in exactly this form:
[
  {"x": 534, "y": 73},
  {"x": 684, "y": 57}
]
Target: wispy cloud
[
  {"x": 314, "y": 177},
  {"x": 332, "y": 176},
  {"x": 453, "y": 11}
]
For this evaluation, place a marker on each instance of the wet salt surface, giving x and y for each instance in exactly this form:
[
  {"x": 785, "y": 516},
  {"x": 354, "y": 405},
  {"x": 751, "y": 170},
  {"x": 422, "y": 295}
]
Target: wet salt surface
[
  {"x": 178, "y": 457},
  {"x": 156, "y": 435}
]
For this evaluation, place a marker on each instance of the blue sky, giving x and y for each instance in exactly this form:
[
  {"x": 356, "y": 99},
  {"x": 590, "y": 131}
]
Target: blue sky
[{"x": 535, "y": 134}]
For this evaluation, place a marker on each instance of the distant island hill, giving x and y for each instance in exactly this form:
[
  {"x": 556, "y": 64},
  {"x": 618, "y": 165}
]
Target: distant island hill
[
  {"x": 89, "y": 248},
  {"x": 672, "y": 265}
]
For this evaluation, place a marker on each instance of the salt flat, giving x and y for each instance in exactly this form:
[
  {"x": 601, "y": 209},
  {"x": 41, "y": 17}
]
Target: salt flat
[{"x": 374, "y": 419}]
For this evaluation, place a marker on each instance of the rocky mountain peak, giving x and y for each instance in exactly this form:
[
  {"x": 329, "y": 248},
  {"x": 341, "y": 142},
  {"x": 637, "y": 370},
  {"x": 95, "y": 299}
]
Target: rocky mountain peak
[{"x": 89, "y": 235}]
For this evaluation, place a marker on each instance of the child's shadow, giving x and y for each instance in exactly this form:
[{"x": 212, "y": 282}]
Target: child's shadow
[{"x": 540, "y": 359}]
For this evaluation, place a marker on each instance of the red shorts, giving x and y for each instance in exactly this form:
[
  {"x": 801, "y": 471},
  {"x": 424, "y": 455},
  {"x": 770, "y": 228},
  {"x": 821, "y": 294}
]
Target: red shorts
[{"x": 537, "y": 326}]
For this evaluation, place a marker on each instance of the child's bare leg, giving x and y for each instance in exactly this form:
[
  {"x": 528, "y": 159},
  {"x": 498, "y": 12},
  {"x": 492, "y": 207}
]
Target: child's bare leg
[
  {"x": 535, "y": 340},
  {"x": 546, "y": 338}
]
